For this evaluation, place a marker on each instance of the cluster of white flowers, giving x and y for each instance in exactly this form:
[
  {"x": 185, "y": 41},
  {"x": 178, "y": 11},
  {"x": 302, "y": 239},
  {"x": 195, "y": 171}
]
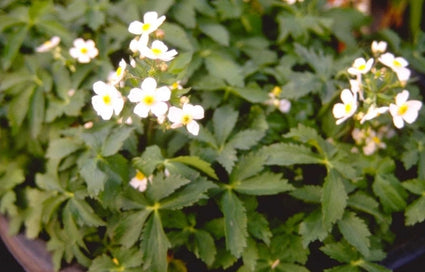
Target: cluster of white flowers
[
  {"x": 291, "y": 2},
  {"x": 368, "y": 94},
  {"x": 149, "y": 99},
  {"x": 371, "y": 140},
  {"x": 284, "y": 105}
]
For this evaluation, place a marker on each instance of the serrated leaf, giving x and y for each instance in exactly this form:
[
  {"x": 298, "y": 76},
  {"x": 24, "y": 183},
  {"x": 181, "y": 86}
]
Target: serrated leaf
[
  {"x": 176, "y": 35},
  {"x": 115, "y": 140},
  {"x": 36, "y": 112},
  {"x": 225, "y": 68},
  {"x": 235, "y": 223},
  {"x": 246, "y": 139},
  {"x": 356, "y": 232},
  {"x": 149, "y": 160},
  {"x": 216, "y": 32},
  {"x": 34, "y": 213},
  {"x": 92, "y": 175},
  {"x": 372, "y": 267},
  {"x": 248, "y": 166},
  {"x": 189, "y": 195},
  {"x": 224, "y": 120},
  {"x": 16, "y": 113},
  {"x": 340, "y": 251},
  {"x": 130, "y": 226},
  {"x": 251, "y": 93},
  {"x": 161, "y": 186},
  {"x": 301, "y": 84},
  {"x": 415, "y": 212},
  {"x": 285, "y": 154},
  {"x": 258, "y": 227},
  {"x": 263, "y": 184},
  {"x": 227, "y": 158},
  {"x": 365, "y": 203},
  {"x": 312, "y": 228},
  {"x": 197, "y": 163},
  {"x": 205, "y": 247},
  {"x": 415, "y": 186},
  {"x": 185, "y": 14},
  {"x": 390, "y": 192},
  {"x": 334, "y": 199},
  {"x": 250, "y": 255},
  {"x": 62, "y": 147},
  {"x": 10, "y": 176},
  {"x": 308, "y": 193},
  {"x": 154, "y": 245},
  {"x": 84, "y": 213},
  {"x": 13, "y": 45}
]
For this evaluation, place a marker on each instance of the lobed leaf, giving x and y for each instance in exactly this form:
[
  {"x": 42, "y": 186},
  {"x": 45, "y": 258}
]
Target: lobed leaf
[
  {"x": 334, "y": 199},
  {"x": 263, "y": 184},
  {"x": 356, "y": 232}
]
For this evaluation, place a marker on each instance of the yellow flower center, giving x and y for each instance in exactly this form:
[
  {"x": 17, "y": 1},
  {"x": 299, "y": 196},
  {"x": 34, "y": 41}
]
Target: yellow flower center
[
  {"x": 396, "y": 63},
  {"x": 402, "y": 109},
  {"x": 186, "y": 119},
  {"x": 156, "y": 51},
  {"x": 84, "y": 50},
  {"x": 348, "y": 108},
  {"x": 140, "y": 175},
  {"x": 148, "y": 100},
  {"x": 146, "y": 27},
  {"x": 107, "y": 99},
  {"x": 119, "y": 71},
  {"x": 276, "y": 91},
  {"x": 175, "y": 85},
  {"x": 362, "y": 67},
  {"x": 376, "y": 140}
]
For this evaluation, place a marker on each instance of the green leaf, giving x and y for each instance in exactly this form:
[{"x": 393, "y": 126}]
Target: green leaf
[
  {"x": 246, "y": 139},
  {"x": 228, "y": 9},
  {"x": 175, "y": 35},
  {"x": 154, "y": 245},
  {"x": 263, "y": 184},
  {"x": 312, "y": 228},
  {"x": 250, "y": 255},
  {"x": 227, "y": 158},
  {"x": 415, "y": 186},
  {"x": 161, "y": 186},
  {"x": 10, "y": 176},
  {"x": 224, "y": 120},
  {"x": 415, "y": 212},
  {"x": 308, "y": 193},
  {"x": 235, "y": 226},
  {"x": 372, "y": 267},
  {"x": 258, "y": 227},
  {"x": 356, "y": 232},
  {"x": 390, "y": 192},
  {"x": 365, "y": 203},
  {"x": 84, "y": 213},
  {"x": 216, "y": 32},
  {"x": 340, "y": 251},
  {"x": 285, "y": 154},
  {"x": 34, "y": 213},
  {"x": 92, "y": 175},
  {"x": 115, "y": 140},
  {"x": 36, "y": 112},
  {"x": 224, "y": 68},
  {"x": 62, "y": 147},
  {"x": 17, "y": 113},
  {"x": 12, "y": 47},
  {"x": 251, "y": 93},
  {"x": 184, "y": 13},
  {"x": 189, "y": 195},
  {"x": 248, "y": 166},
  {"x": 129, "y": 228},
  {"x": 205, "y": 247},
  {"x": 300, "y": 84},
  {"x": 149, "y": 160},
  {"x": 334, "y": 199},
  {"x": 197, "y": 163}
]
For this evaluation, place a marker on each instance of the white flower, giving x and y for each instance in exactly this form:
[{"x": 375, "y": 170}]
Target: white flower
[
  {"x": 372, "y": 143},
  {"x": 139, "y": 42},
  {"x": 118, "y": 75},
  {"x": 360, "y": 66},
  {"x": 398, "y": 65},
  {"x": 342, "y": 111},
  {"x": 149, "y": 98},
  {"x": 139, "y": 181},
  {"x": 83, "y": 51},
  {"x": 291, "y": 2},
  {"x": 107, "y": 100},
  {"x": 373, "y": 112},
  {"x": 186, "y": 117},
  {"x": 378, "y": 47},
  {"x": 284, "y": 105},
  {"x": 404, "y": 110},
  {"x": 48, "y": 45},
  {"x": 150, "y": 23},
  {"x": 158, "y": 50},
  {"x": 176, "y": 85}
]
